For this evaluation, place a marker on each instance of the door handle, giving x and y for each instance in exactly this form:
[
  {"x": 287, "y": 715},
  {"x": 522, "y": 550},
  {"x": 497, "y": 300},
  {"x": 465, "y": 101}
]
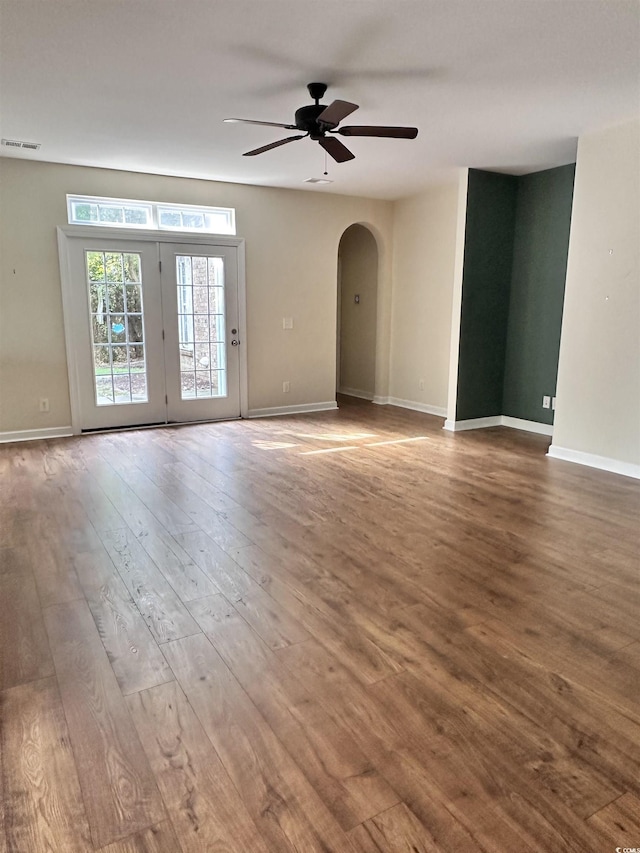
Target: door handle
[{"x": 235, "y": 343}]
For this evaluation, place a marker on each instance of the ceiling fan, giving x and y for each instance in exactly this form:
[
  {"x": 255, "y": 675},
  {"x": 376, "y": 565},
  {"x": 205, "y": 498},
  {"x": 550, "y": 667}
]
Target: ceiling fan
[{"x": 317, "y": 120}]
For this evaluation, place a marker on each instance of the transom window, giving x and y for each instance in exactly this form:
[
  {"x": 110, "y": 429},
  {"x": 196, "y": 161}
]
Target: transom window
[{"x": 153, "y": 215}]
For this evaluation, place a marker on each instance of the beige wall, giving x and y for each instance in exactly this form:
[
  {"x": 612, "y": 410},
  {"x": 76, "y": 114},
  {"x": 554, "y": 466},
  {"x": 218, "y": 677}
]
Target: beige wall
[
  {"x": 359, "y": 275},
  {"x": 291, "y": 249},
  {"x": 598, "y": 390},
  {"x": 424, "y": 253}
]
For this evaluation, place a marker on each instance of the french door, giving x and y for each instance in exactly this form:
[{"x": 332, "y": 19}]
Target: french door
[{"x": 153, "y": 331}]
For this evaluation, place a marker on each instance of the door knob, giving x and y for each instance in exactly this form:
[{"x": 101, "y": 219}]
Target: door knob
[{"x": 235, "y": 343}]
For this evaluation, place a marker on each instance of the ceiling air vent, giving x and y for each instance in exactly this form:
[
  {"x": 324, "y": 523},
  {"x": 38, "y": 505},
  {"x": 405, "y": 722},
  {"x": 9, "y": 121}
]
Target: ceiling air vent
[
  {"x": 317, "y": 181},
  {"x": 16, "y": 143}
]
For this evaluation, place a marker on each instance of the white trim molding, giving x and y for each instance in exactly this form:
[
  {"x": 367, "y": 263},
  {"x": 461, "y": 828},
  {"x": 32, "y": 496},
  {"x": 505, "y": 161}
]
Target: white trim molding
[
  {"x": 472, "y": 423},
  {"x": 425, "y": 408},
  {"x": 499, "y": 420},
  {"x": 96, "y": 232},
  {"x": 528, "y": 426},
  {"x": 356, "y": 392},
  {"x": 35, "y": 434},
  {"x": 604, "y": 463},
  {"x": 299, "y": 409}
]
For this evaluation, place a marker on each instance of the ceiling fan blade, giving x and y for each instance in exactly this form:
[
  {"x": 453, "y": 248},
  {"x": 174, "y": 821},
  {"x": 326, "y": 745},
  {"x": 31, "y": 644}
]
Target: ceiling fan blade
[
  {"x": 336, "y": 149},
  {"x": 272, "y": 145},
  {"x": 392, "y": 132},
  {"x": 336, "y": 111},
  {"x": 267, "y": 123}
]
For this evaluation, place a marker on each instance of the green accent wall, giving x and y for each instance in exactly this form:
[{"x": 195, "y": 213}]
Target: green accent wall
[
  {"x": 541, "y": 245},
  {"x": 486, "y": 280},
  {"x": 515, "y": 263}
]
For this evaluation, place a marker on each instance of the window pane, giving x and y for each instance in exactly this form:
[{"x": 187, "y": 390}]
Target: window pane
[
  {"x": 116, "y": 297},
  {"x": 134, "y": 298},
  {"x": 132, "y": 267},
  {"x": 217, "y": 356},
  {"x": 217, "y": 328},
  {"x": 199, "y": 272},
  {"x": 104, "y": 390},
  {"x": 100, "y": 329},
  {"x": 219, "y": 383},
  {"x": 95, "y": 266},
  {"x": 216, "y": 300},
  {"x": 201, "y": 300},
  {"x": 119, "y": 369},
  {"x": 113, "y": 264},
  {"x": 97, "y": 298},
  {"x": 203, "y": 383},
  {"x": 122, "y": 387},
  {"x": 111, "y": 214},
  {"x": 134, "y": 327},
  {"x": 85, "y": 212},
  {"x": 214, "y": 220},
  {"x": 193, "y": 220},
  {"x": 135, "y": 216},
  {"x": 170, "y": 219},
  {"x": 118, "y": 329},
  {"x": 187, "y": 384},
  {"x": 101, "y": 360},
  {"x": 202, "y": 364}
]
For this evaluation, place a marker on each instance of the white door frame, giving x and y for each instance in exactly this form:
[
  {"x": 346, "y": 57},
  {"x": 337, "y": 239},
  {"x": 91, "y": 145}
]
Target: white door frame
[{"x": 95, "y": 232}]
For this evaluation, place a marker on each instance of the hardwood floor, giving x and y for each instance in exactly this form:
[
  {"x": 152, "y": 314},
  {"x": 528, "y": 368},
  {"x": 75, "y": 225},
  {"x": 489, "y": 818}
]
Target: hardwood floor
[{"x": 349, "y": 632}]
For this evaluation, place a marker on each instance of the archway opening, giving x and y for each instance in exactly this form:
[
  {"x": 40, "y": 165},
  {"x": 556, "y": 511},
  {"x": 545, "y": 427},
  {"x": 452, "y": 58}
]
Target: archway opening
[{"x": 357, "y": 313}]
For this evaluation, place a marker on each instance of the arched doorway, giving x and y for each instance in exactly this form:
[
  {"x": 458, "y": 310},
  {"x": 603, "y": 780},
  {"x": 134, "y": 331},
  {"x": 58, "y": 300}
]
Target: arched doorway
[{"x": 357, "y": 313}]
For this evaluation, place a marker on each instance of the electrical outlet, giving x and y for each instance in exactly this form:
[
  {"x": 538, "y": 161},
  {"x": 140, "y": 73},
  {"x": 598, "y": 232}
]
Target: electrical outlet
[
  {"x": 287, "y": 322},
  {"x": 44, "y": 404},
  {"x": 421, "y": 384},
  {"x": 546, "y": 402},
  {"x": 286, "y": 387}
]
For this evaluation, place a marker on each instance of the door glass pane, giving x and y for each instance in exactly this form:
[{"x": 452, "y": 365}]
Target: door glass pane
[
  {"x": 117, "y": 327},
  {"x": 201, "y": 326}
]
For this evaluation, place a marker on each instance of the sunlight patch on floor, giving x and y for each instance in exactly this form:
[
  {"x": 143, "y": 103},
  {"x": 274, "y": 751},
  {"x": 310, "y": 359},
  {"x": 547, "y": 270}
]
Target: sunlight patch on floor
[
  {"x": 328, "y": 450},
  {"x": 398, "y": 441},
  {"x": 273, "y": 445},
  {"x": 327, "y": 436}
]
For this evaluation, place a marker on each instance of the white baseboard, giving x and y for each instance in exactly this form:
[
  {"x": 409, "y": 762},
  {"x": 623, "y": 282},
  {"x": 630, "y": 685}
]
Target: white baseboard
[
  {"x": 356, "y": 392},
  {"x": 299, "y": 409},
  {"x": 412, "y": 404},
  {"x": 528, "y": 426},
  {"x": 604, "y": 463},
  {"x": 472, "y": 423},
  {"x": 35, "y": 434},
  {"x": 381, "y": 401},
  {"x": 499, "y": 420}
]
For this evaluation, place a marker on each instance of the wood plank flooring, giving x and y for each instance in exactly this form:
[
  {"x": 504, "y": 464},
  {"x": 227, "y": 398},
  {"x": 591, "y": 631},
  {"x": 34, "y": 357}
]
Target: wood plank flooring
[{"x": 349, "y": 632}]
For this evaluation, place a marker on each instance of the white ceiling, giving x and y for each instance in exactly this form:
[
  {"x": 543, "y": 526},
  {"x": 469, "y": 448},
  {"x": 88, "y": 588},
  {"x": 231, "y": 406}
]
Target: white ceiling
[{"x": 144, "y": 85}]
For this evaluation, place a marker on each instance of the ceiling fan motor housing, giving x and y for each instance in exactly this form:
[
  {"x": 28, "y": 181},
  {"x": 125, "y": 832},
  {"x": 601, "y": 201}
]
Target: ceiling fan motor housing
[{"x": 307, "y": 121}]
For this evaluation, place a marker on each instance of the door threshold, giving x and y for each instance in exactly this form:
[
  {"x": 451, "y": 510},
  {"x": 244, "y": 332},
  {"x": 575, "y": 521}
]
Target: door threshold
[{"x": 160, "y": 425}]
